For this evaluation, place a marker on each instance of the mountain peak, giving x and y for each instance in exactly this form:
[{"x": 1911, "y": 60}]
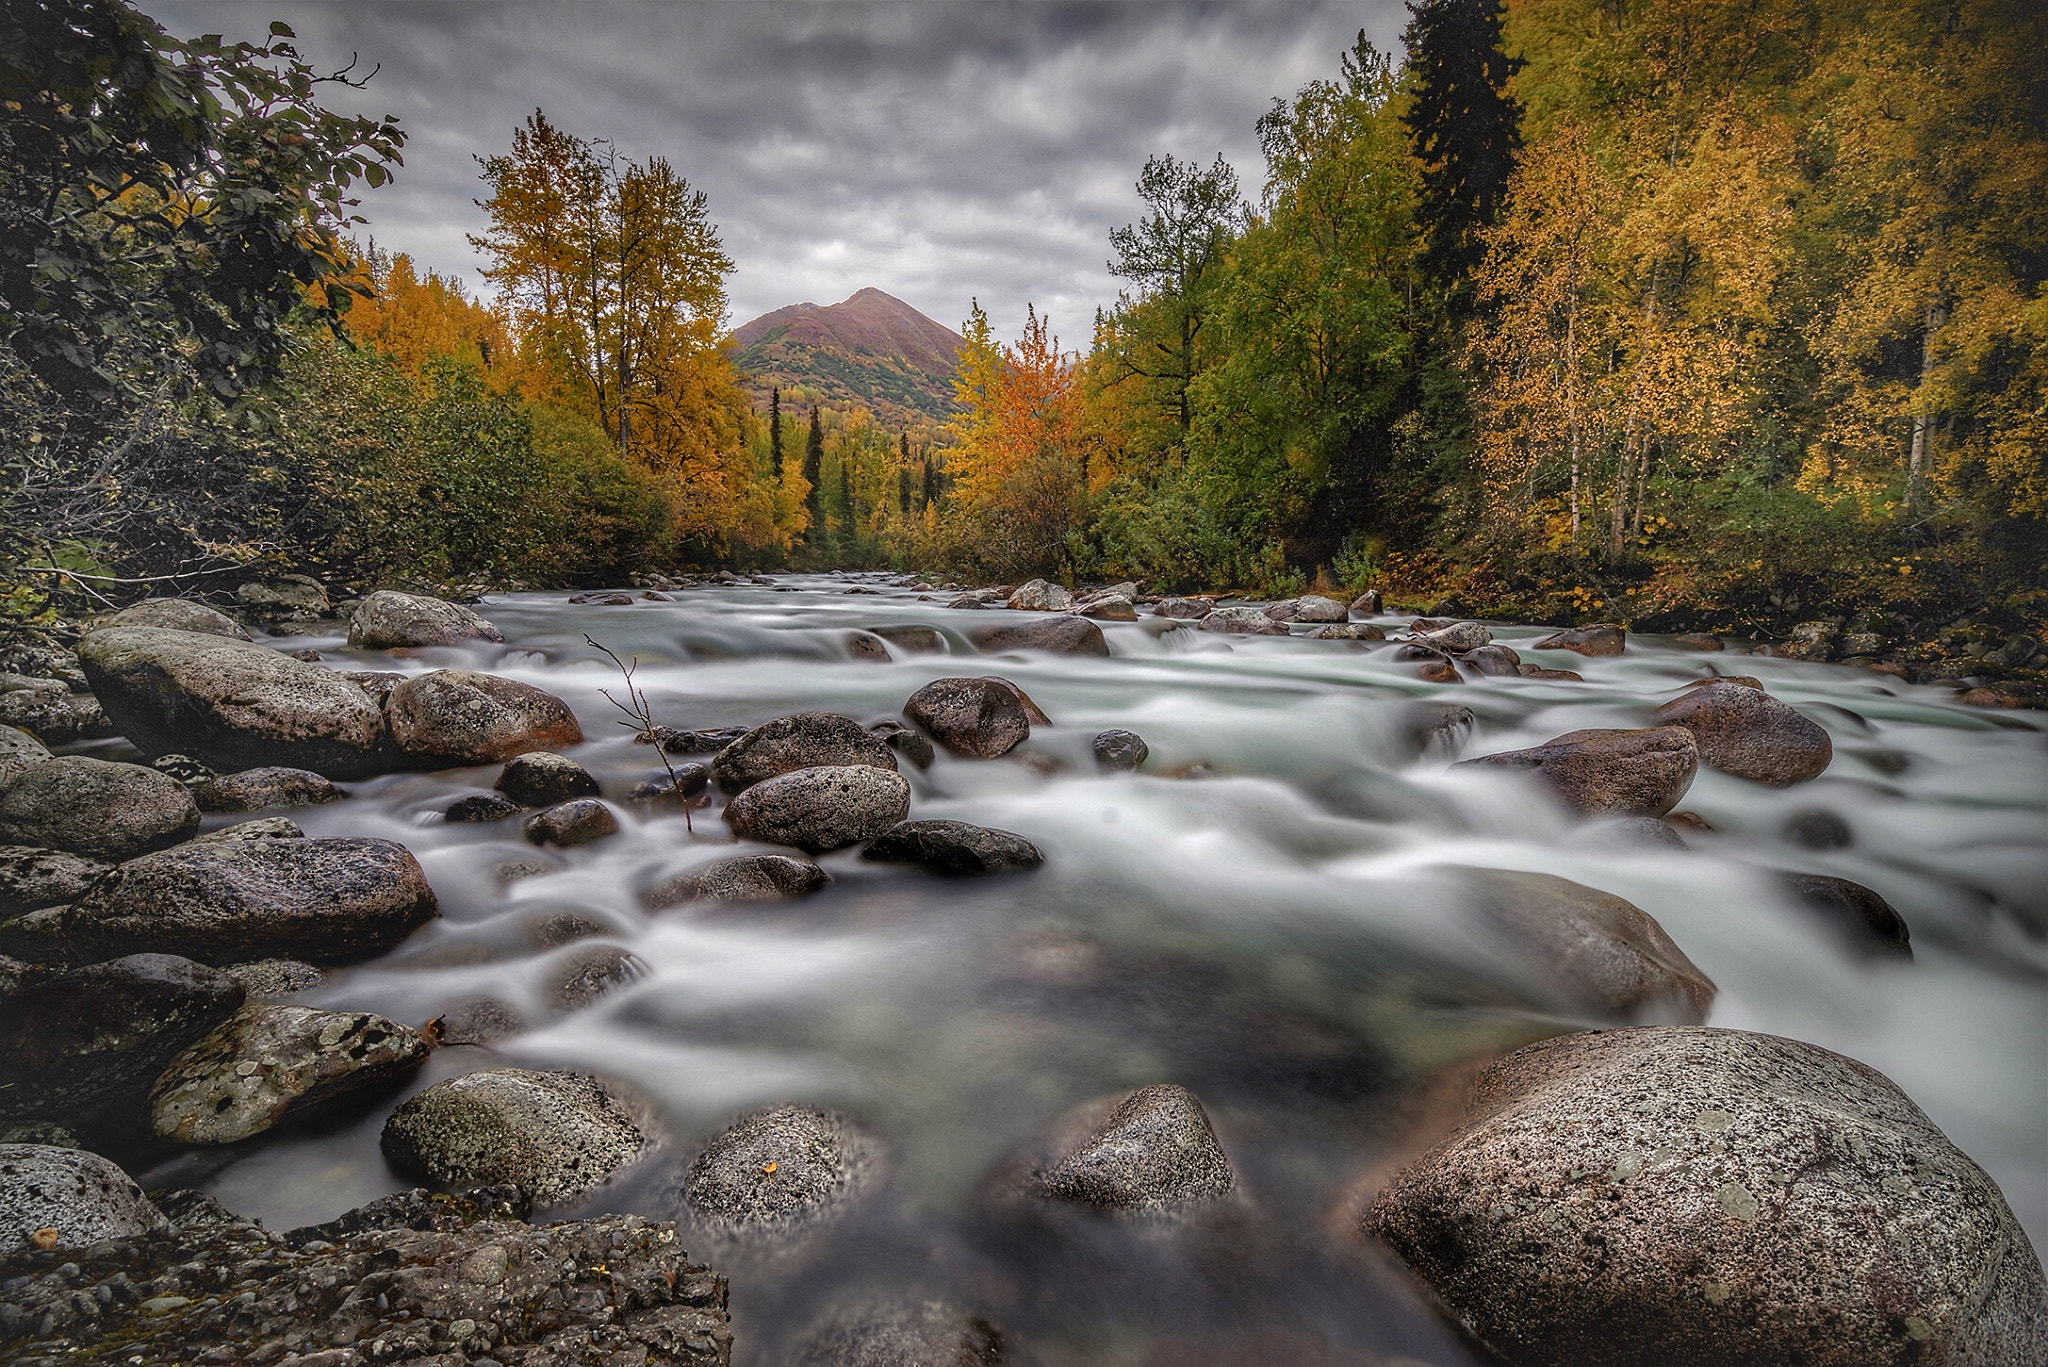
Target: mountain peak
[{"x": 870, "y": 349}]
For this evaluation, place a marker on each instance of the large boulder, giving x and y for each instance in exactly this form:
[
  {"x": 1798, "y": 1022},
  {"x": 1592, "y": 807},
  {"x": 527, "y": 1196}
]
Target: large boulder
[
  {"x": 745, "y": 880},
  {"x": 255, "y": 790},
  {"x": 267, "y": 1061},
  {"x": 387, "y": 619},
  {"x": 1242, "y": 621},
  {"x": 232, "y": 704},
  {"x": 324, "y": 901},
  {"x": 54, "y": 1198},
  {"x": 1611, "y": 773},
  {"x": 53, "y": 715},
  {"x": 1060, "y": 634},
  {"x": 555, "y": 1135},
  {"x": 1675, "y": 1194},
  {"x": 174, "y": 614},
  {"x": 978, "y": 718},
  {"x": 1746, "y": 732},
  {"x": 1457, "y": 638},
  {"x": 1310, "y": 607},
  {"x": 1602, "y": 638},
  {"x": 804, "y": 741},
  {"x": 1184, "y": 609},
  {"x": 776, "y": 1174},
  {"x": 1150, "y": 1154},
  {"x": 1040, "y": 596},
  {"x": 458, "y": 716},
  {"x": 821, "y": 809},
  {"x": 1110, "y": 607},
  {"x": 953, "y": 847},
  {"x": 19, "y": 751},
  {"x": 97, "y": 808},
  {"x": 76, "y": 1040},
  {"x": 911, "y": 638},
  {"x": 32, "y": 878},
  {"x": 581, "y": 822}
]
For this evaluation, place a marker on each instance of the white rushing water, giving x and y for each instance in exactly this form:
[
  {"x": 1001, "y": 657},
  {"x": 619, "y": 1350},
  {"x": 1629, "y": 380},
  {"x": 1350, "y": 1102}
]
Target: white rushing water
[{"x": 1277, "y": 930}]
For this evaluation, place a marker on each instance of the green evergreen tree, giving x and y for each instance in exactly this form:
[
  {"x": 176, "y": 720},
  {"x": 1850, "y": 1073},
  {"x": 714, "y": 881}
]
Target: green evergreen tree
[
  {"x": 1465, "y": 127},
  {"x": 903, "y": 472},
  {"x": 814, "y": 473},
  {"x": 847, "y": 533},
  {"x": 775, "y": 433},
  {"x": 931, "y": 484}
]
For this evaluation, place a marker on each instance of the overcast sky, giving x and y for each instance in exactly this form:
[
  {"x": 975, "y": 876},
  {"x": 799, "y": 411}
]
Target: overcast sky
[{"x": 935, "y": 150}]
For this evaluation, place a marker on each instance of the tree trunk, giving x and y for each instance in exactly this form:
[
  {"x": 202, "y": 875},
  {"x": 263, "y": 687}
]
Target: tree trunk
[{"x": 1923, "y": 421}]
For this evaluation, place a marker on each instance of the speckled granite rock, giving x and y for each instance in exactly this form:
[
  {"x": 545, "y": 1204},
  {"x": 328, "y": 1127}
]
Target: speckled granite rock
[
  {"x": 1746, "y": 732},
  {"x": 97, "y": 808},
  {"x": 64, "y": 1198},
  {"x": 977, "y": 718},
  {"x": 1609, "y": 772},
  {"x": 387, "y": 619},
  {"x": 745, "y": 880},
  {"x": 806, "y": 740},
  {"x": 555, "y": 1135},
  {"x": 773, "y": 1176},
  {"x": 956, "y": 847},
  {"x": 821, "y": 809}
]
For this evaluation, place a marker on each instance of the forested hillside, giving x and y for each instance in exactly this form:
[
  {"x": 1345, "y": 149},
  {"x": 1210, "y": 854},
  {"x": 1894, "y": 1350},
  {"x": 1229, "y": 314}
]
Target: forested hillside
[{"x": 870, "y": 350}]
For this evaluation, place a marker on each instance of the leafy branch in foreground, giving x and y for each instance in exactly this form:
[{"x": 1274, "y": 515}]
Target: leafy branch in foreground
[{"x": 641, "y": 718}]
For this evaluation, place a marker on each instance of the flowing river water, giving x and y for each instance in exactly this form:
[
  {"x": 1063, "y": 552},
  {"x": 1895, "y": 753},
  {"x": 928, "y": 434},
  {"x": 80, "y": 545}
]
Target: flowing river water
[{"x": 1266, "y": 913}]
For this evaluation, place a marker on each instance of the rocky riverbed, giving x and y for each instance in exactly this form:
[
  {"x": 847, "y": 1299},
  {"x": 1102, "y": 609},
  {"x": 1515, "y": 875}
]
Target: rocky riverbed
[{"x": 976, "y": 976}]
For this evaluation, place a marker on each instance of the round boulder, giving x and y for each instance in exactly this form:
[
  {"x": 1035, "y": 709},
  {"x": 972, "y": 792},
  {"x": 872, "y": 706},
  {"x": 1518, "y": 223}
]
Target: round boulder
[
  {"x": 1672, "y": 1194},
  {"x": 97, "y": 808},
  {"x": 572, "y": 823},
  {"x": 1111, "y": 607},
  {"x": 387, "y": 619},
  {"x": 1494, "y": 660},
  {"x": 779, "y": 1172},
  {"x": 541, "y": 779},
  {"x": 1858, "y": 915},
  {"x": 1186, "y": 609},
  {"x": 67, "y": 1198},
  {"x": 1611, "y": 773},
  {"x": 747, "y": 880},
  {"x": 806, "y": 740},
  {"x": 1310, "y": 607},
  {"x": 1059, "y": 634},
  {"x": 1242, "y": 621},
  {"x": 1457, "y": 638},
  {"x": 1041, "y": 596},
  {"x": 1602, "y": 638},
  {"x": 174, "y": 614},
  {"x": 1120, "y": 751},
  {"x": 458, "y": 716},
  {"x": 253, "y": 790},
  {"x": 481, "y": 807},
  {"x": 1746, "y": 732},
  {"x": 821, "y": 809},
  {"x": 32, "y": 878},
  {"x": 978, "y": 718},
  {"x": 953, "y": 847},
  {"x": 555, "y": 1135}
]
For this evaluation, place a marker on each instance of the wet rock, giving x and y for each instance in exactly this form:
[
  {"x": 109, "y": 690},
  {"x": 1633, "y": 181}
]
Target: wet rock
[
  {"x": 1311, "y": 607},
  {"x": 232, "y": 704},
  {"x": 821, "y": 809},
  {"x": 326, "y": 901},
  {"x": 895, "y": 1330},
  {"x": 267, "y": 1062},
  {"x": 1110, "y": 608},
  {"x": 458, "y": 716},
  {"x": 572, "y": 823},
  {"x": 481, "y": 807},
  {"x": 52, "y": 1198},
  {"x": 953, "y": 847},
  {"x": 601, "y": 598},
  {"x": 865, "y": 645},
  {"x": 173, "y": 614},
  {"x": 1411, "y": 651},
  {"x": 97, "y": 808},
  {"x": 777, "y": 1174},
  {"x": 1819, "y": 830},
  {"x": 19, "y": 752},
  {"x": 1534, "y": 672},
  {"x": 1061, "y": 634},
  {"x": 1746, "y": 732},
  {"x": 906, "y": 743},
  {"x": 540, "y": 779},
  {"x": 185, "y": 769},
  {"x": 1369, "y": 603},
  {"x": 912, "y": 639},
  {"x": 385, "y": 620},
  {"x": 552, "y": 930},
  {"x": 1603, "y": 638},
  {"x": 1120, "y": 751},
  {"x": 55, "y": 717},
  {"x": 678, "y": 742},
  {"x": 1033, "y": 713},
  {"x": 270, "y": 979},
  {"x": 1186, "y": 609},
  {"x": 73, "y": 1041},
  {"x": 555, "y": 1135},
  {"x": 1812, "y": 641},
  {"x": 1152, "y": 1154},
  {"x": 1041, "y": 596},
  {"x": 1607, "y": 956},
  {"x": 475, "y": 1021},
  {"x": 1457, "y": 638},
  {"x": 978, "y": 718},
  {"x": 1494, "y": 661},
  {"x": 673, "y": 787},
  {"x": 977, "y": 598},
  {"x": 1673, "y": 1194},
  {"x": 426, "y": 1280},
  {"x": 1242, "y": 621},
  {"x": 583, "y": 975},
  {"x": 748, "y": 880},
  {"x": 1610, "y": 772},
  {"x": 1858, "y": 915},
  {"x": 253, "y": 790},
  {"x": 1348, "y": 631},
  {"x": 32, "y": 878},
  {"x": 262, "y": 828},
  {"x": 1698, "y": 640},
  {"x": 1438, "y": 672},
  {"x": 804, "y": 741}
]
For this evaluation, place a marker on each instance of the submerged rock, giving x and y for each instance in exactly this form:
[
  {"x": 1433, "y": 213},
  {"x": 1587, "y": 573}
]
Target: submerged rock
[
  {"x": 97, "y": 808},
  {"x": 1061, "y": 634},
  {"x": 555, "y": 1135},
  {"x": 253, "y": 790},
  {"x": 1673, "y": 1194},
  {"x": 953, "y": 847},
  {"x": 821, "y": 809},
  {"x": 979, "y": 718},
  {"x": 55, "y": 1198},
  {"x": 912, "y": 639},
  {"x": 541, "y": 779},
  {"x": 1858, "y": 915},
  {"x": 1120, "y": 751},
  {"x": 747, "y": 880},
  {"x": 774, "y": 1175},
  {"x": 1744, "y": 731},
  {"x": 386, "y": 619},
  {"x": 1610, "y": 772},
  {"x": 1151, "y": 1153},
  {"x": 1603, "y": 638},
  {"x": 458, "y": 716},
  {"x": 867, "y": 647},
  {"x": 581, "y": 976},
  {"x": 804, "y": 741}
]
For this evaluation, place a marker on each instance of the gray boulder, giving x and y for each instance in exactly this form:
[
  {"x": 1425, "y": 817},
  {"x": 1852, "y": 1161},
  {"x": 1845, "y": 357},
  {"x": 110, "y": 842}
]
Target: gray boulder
[
  {"x": 1150, "y": 1154},
  {"x": 912, "y": 639},
  {"x": 572, "y": 823},
  {"x": 1038, "y": 595},
  {"x": 266, "y": 1062},
  {"x": 33, "y": 878},
  {"x": 254, "y": 790},
  {"x": 1493, "y": 660},
  {"x": 1672, "y": 1194},
  {"x": 541, "y": 779},
  {"x": 1616, "y": 773},
  {"x": 481, "y": 807},
  {"x": 97, "y": 808},
  {"x": 1058, "y": 634},
  {"x": 978, "y": 718},
  {"x": 173, "y": 614},
  {"x": 232, "y": 704},
  {"x": 804, "y": 741},
  {"x": 386, "y": 619},
  {"x": 747, "y": 880},
  {"x": 1348, "y": 631},
  {"x": 19, "y": 751},
  {"x": 779, "y": 1173},
  {"x": 1242, "y": 621},
  {"x": 1310, "y": 607},
  {"x": 1370, "y": 603},
  {"x": 821, "y": 809},
  {"x": 953, "y": 847},
  {"x": 458, "y": 716},
  {"x": 260, "y": 828},
  {"x": 284, "y": 595},
  {"x": 1186, "y": 609},
  {"x": 1111, "y": 607},
  {"x": 67, "y": 1198},
  {"x": 1120, "y": 751},
  {"x": 271, "y": 979},
  {"x": 54, "y": 716},
  {"x": 1746, "y": 732},
  {"x": 1457, "y": 638},
  {"x": 909, "y": 744},
  {"x": 1602, "y": 638},
  {"x": 555, "y": 1135}
]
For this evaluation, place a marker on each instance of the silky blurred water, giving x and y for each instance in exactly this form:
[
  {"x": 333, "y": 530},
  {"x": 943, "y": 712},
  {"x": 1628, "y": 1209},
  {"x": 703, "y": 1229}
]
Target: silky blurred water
[{"x": 1263, "y": 914}]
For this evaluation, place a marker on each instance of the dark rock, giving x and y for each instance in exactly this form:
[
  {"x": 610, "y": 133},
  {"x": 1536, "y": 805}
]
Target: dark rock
[
  {"x": 978, "y": 598},
  {"x": 821, "y": 809},
  {"x": 253, "y": 790},
  {"x": 1411, "y": 651},
  {"x": 867, "y": 647},
  {"x": 1630, "y": 833},
  {"x": 1242, "y": 621},
  {"x": 777, "y": 1174},
  {"x": 747, "y": 880},
  {"x": 1601, "y": 639},
  {"x": 1033, "y": 713},
  {"x": 1535, "y": 672},
  {"x": 1698, "y": 640},
  {"x": 1369, "y": 603},
  {"x": 1746, "y": 732},
  {"x": 555, "y": 1135},
  {"x": 602, "y": 599},
  {"x": 804, "y": 741},
  {"x": 978, "y": 718},
  {"x": 481, "y": 807},
  {"x": 583, "y": 975},
  {"x": 913, "y": 640},
  {"x": 55, "y": 717},
  {"x": 678, "y": 742},
  {"x": 1061, "y": 634},
  {"x": 270, "y": 979},
  {"x": 1041, "y": 596},
  {"x": 953, "y": 847},
  {"x": 1438, "y": 727},
  {"x": 897, "y": 1330},
  {"x": 1812, "y": 641},
  {"x": 325, "y": 901},
  {"x": 185, "y": 769},
  {"x": 96, "y": 808},
  {"x": 173, "y": 614},
  {"x": 73, "y": 1041},
  {"x": 1119, "y": 750},
  {"x": 19, "y": 752},
  {"x": 457, "y": 716},
  {"x": 266, "y": 1062},
  {"x": 475, "y": 1020},
  {"x": 557, "y": 928},
  {"x": 906, "y": 742},
  {"x": 1186, "y": 609},
  {"x": 1859, "y": 915},
  {"x": 1438, "y": 672},
  {"x": 1674, "y": 1194},
  {"x": 52, "y": 1198},
  {"x": 386, "y": 619},
  {"x": 540, "y": 779},
  {"x": 32, "y": 878},
  {"x": 673, "y": 787},
  {"x": 1620, "y": 772},
  {"x": 309, "y": 655},
  {"x": 1494, "y": 661},
  {"x": 261, "y": 828},
  {"x": 375, "y": 683},
  {"x": 1151, "y": 1154},
  {"x": 1819, "y": 830},
  {"x": 232, "y": 704},
  {"x": 572, "y": 823}
]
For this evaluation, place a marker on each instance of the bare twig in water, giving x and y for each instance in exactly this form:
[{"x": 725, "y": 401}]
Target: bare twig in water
[{"x": 641, "y": 714}]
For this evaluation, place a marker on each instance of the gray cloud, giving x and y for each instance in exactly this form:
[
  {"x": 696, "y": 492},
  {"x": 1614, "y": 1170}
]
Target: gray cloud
[{"x": 934, "y": 150}]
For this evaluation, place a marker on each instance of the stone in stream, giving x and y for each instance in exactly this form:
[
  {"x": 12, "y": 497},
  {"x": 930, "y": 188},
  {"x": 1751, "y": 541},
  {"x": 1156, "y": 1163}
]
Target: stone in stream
[
  {"x": 232, "y": 704},
  {"x": 56, "y": 717},
  {"x": 1671, "y": 1194},
  {"x": 270, "y": 979},
  {"x": 475, "y": 1021},
  {"x": 267, "y": 1062},
  {"x": 912, "y": 639},
  {"x": 1438, "y": 672},
  {"x": 554, "y": 1135},
  {"x": 821, "y": 809},
  {"x": 1040, "y": 596},
  {"x": 1603, "y": 638},
  {"x": 1605, "y": 955},
  {"x": 95, "y": 807},
  {"x": 1150, "y": 1154},
  {"x": 1697, "y": 640},
  {"x": 1060, "y": 634},
  {"x": 892, "y": 1328},
  {"x": 261, "y": 828},
  {"x": 541, "y": 779},
  {"x": 387, "y": 619},
  {"x": 74, "y": 1041},
  {"x": 601, "y": 598},
  {"x": 581, "y": 822},
  {"x": 458, "y": 716},
  {"x": 978, "y": 718},
  {"x": 1857, "y": 915},
  {"x": 673, "y": 786},
  {"x": 1370, "y": 603},
  {"x": 1529, "y": 671},
  {"x": 867, "y": 647},
  {"x": 1348, "y": 631},
  {"x": 1310, "y": 607},
  {"x": 1110, "y": 608},
  {"x": 1437, "y": 727},
  {"x": 1744, "y": 731},
  {"x": 775, "y": 1175},
  {"x": 253, "y": 790},
  {"x": 905, "y": 742},
  {"x": 55, "y": 1198},
  {"x": 956, "y": 847},
  {"x": 1457, "y": 638},
  {"x": 326, "y": 901},
  {"x": 678, "y": 742},
  {"x": 19, "y": 752},
  {"x": 581, "y": 976},
  {"x": 1120, "y": 751},
  {"x": 173, "y": 614},
  {"x": 1819, "y": 829},
  {"x": 32, "y": 878},
  {"x": 747, "y": 880},
  {"x": 481, "y": 807},
  {"x": 1185, "y": 609},
  {"x": 1609, "y": 772},
  {"x": 1242, "y": 621},
  {"x": 1494, "y": 660},
  {"x": 804, "y": 741}
]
